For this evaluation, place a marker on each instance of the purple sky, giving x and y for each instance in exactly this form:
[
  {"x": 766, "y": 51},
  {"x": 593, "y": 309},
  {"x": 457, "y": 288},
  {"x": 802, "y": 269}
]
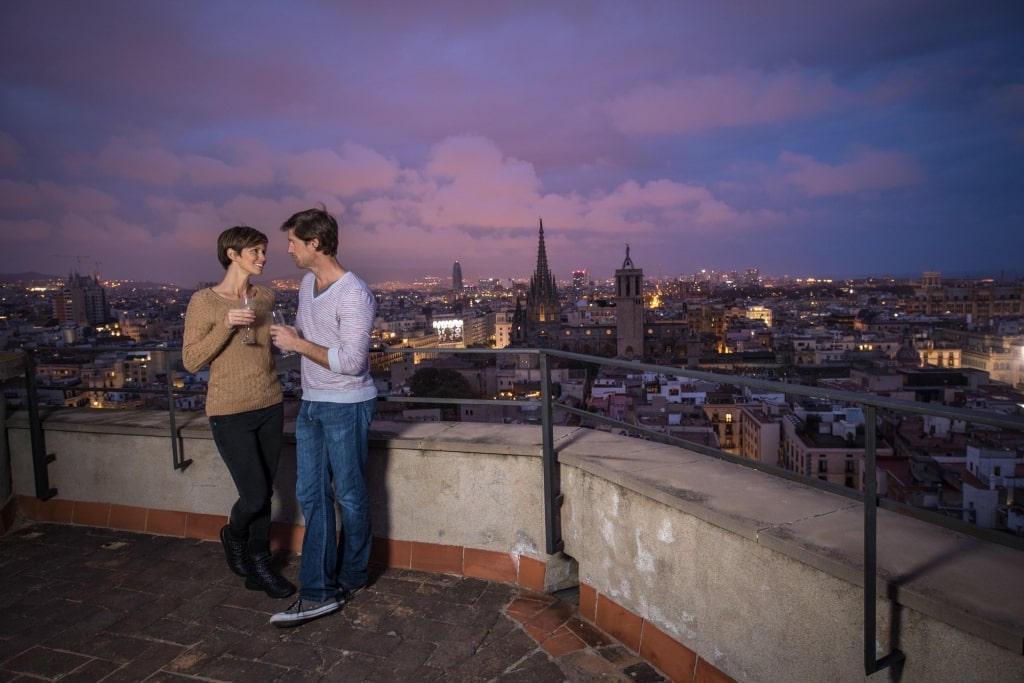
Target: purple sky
[{"x": 796, "y": 136}]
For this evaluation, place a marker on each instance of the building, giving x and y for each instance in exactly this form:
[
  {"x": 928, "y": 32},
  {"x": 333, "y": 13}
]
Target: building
[
  {"x": 543, "y": 309},
  {"x": 629, "y": 309},
  {"x": 82, "y": 301},
  {"x": 457, "y": 277},
  {"x": 580, "y": 283},
  {"x": 761, "y": 431}
]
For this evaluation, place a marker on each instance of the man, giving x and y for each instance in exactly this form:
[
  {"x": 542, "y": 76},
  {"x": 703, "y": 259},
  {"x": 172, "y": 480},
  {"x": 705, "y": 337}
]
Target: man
[{"x": 332, "y": 333}]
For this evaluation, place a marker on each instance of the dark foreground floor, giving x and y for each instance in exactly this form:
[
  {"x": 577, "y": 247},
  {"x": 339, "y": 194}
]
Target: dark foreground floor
[{"x": 87, "y": 604}]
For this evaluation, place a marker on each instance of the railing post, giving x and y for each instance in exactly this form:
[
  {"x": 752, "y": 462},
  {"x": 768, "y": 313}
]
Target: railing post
[
  {"x": 871, "y": 664},
  {"x": 552, "y": 474},
  {"x": 40, "y": 458},
  {"x": 179, "y": 463}
]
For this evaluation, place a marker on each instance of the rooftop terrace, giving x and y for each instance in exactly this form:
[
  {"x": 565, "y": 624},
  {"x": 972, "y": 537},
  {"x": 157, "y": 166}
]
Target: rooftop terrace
[{"x": 687, "y": 567}]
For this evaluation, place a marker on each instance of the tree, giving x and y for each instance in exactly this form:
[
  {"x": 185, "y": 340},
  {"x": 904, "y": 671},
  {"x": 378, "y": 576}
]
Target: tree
[{"x": 440, "y": 383}]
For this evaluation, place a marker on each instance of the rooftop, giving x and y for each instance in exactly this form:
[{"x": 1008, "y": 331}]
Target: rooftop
[{"x": 96, "y": 604}]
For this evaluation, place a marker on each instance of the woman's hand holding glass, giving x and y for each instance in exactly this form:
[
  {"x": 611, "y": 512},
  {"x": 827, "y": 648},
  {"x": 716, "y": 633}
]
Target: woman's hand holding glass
[
  {"x": 250, "y": 305},
  {"x": 243, "y": 317}
]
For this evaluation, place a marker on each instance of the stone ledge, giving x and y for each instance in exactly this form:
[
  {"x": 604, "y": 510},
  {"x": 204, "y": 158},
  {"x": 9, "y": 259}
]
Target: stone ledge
[{"x": 962, "y": 581}]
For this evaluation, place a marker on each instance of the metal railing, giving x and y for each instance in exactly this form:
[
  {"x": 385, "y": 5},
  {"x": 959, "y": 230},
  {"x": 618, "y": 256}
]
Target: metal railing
[
  {"x": 551, "y": 471},
  {"x": 869, "y": 497}
]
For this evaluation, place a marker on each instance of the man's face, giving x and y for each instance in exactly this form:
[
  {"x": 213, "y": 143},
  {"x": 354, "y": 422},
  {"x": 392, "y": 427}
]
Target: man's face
[{"x": 303, "y": 253}]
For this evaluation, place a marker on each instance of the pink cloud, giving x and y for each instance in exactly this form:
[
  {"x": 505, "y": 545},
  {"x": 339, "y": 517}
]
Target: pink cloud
[
  {"x": 205, "y": 170},
  {"x": 31, "y": 230},
  {"x": 19, "y": 195},
  {"x": 870, "y": 169},
  {"x": 738, "y": 98},
  {"x": 144, "y": 162},
  {"x": 355, "y": 169},
  {"x": 79, "y": 197},
  {"x": 468, "y": 182}
]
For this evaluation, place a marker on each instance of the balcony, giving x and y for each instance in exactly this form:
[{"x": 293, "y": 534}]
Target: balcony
[{"x": 699, "y": 566}]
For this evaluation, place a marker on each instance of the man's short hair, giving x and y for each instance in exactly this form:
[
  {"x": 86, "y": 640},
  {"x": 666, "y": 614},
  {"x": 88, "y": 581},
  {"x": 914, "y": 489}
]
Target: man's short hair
[{"x": 315, "y": 224}]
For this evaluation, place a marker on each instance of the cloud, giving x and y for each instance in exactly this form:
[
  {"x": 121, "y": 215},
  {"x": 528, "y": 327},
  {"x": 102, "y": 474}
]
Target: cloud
[
  {"x": 144, "y": 161},
  {"x": 246, "y": 163},
  {"x": 468, "y": 182},
  {"x": 10, "y": 150},
  {"x": 745, "y": 97},
  {"x": 32, "y": 230},
  {"x": 16, "y": 195},
  {"x": 869, "y": 169},
  {"x": 355, "y": 169},
  {"x": 78, "y": 198}
]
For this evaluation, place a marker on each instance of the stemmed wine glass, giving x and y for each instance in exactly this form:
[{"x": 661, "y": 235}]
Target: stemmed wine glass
[
  {"x": 249, "y": 304},
  {"x": 278, "y": 316}
]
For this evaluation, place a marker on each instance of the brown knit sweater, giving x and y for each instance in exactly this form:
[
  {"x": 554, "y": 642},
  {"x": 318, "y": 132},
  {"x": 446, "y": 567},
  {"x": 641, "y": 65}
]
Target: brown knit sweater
[{"x": 242, "y": 376}]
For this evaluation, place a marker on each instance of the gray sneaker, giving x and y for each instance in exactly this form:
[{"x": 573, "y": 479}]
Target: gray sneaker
[{"x": 302, "y": 611}]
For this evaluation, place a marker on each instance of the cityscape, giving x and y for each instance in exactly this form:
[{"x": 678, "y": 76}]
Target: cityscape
[
  {"x": 701, "y": 324},
  {"x": 115, "y": 345}
]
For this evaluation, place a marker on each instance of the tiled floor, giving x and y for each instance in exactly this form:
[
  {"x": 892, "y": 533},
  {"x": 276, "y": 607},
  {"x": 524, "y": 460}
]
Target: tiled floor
[{"x": 94, "y": 604}]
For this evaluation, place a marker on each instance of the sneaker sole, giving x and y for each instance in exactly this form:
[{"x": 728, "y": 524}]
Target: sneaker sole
[{"x": 288, "y": 621}]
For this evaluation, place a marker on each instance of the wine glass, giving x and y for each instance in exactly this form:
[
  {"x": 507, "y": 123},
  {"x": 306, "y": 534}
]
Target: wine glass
[
  {"x": 248, "y": 303},
  {"x": 278, "y": 316}
]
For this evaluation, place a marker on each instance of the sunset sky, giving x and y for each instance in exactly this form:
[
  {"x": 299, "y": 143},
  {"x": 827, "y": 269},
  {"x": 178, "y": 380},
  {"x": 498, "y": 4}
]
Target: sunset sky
[{"x": 799, "y": 137}]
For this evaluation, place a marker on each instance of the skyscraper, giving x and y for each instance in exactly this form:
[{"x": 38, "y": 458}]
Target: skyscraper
[
  {"x": 580, "y": 281},
  {"x": 457, "y": 277}
]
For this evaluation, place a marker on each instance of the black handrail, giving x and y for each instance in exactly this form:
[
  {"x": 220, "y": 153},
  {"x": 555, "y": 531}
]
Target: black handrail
[{"x": 178, "y": 461}]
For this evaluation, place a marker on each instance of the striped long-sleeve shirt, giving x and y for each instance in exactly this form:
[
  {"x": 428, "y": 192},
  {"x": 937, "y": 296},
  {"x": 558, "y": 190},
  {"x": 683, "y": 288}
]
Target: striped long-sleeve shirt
[{"x": 339, "y": 318}]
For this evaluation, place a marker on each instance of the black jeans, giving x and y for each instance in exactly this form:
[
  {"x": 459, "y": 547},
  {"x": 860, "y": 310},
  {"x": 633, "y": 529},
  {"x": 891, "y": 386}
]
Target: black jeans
[{"x": 250, "y": 445}]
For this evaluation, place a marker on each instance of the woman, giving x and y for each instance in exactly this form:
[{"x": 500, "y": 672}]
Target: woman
[{"x": 243, "y": 399}]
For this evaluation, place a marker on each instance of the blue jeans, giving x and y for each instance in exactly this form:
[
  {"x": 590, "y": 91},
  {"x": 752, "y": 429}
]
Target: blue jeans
[{"x": 331, "y": 445}]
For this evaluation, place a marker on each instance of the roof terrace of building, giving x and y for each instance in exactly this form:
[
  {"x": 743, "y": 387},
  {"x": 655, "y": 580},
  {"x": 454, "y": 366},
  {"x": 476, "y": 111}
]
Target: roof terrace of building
[{"x": 704, "y": 567}]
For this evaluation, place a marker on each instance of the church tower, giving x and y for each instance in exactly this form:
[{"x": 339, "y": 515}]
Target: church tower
[
  {"x": 542, "y": 298},
  {"x": 629, "y": 309}
]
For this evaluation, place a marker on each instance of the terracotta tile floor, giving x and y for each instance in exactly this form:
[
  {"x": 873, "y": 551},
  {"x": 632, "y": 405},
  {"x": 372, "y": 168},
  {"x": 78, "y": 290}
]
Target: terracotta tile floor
[{"x": 95, "y": 604}]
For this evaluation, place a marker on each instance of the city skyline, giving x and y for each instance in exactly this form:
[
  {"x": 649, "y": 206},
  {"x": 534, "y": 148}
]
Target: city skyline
[{"x": 798, "y": 139}]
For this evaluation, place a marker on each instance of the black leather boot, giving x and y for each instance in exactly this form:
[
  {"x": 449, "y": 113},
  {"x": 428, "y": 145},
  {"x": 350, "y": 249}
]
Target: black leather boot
[
  {"x": 236, "y": 552},
  {"x": 264, "y": 578}
]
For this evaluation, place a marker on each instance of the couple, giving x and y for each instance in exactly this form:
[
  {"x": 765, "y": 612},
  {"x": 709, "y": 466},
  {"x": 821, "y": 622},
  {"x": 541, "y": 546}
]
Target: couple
[{"x": 332, "y": 333}]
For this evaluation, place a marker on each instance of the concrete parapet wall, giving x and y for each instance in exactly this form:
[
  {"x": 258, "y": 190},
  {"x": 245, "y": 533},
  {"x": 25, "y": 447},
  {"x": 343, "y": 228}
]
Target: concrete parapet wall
[
  {"x": 762, "y": 577},
  {"x": 698, "y": 564}
]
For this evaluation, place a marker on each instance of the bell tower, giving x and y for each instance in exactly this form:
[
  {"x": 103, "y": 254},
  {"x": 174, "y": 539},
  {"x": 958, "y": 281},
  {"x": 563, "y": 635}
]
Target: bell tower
[{"x": 629, "y": 309}]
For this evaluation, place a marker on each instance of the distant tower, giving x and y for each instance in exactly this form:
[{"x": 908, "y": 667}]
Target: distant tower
[
  {"x": 542, "y": 298},
  {"x": 82, "y": 301},
  {"x": 629, "y": 309},
  {"x": 579, "y": 283},
  {"x": 518, "y": 335},
  {"x": 457, "y": 277}
]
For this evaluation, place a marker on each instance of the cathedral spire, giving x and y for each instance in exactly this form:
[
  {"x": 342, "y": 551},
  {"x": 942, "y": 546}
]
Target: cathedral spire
[
  {"x": 542, "y": 255},
  {"x": 542, "y": 299}
]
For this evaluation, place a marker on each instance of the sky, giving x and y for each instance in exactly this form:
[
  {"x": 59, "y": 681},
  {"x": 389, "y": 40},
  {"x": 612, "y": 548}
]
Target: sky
[{"x": 798, "y": 137}]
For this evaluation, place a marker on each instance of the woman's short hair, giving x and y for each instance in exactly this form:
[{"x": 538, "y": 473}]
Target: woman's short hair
[{"x": 238, "y": 238}]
